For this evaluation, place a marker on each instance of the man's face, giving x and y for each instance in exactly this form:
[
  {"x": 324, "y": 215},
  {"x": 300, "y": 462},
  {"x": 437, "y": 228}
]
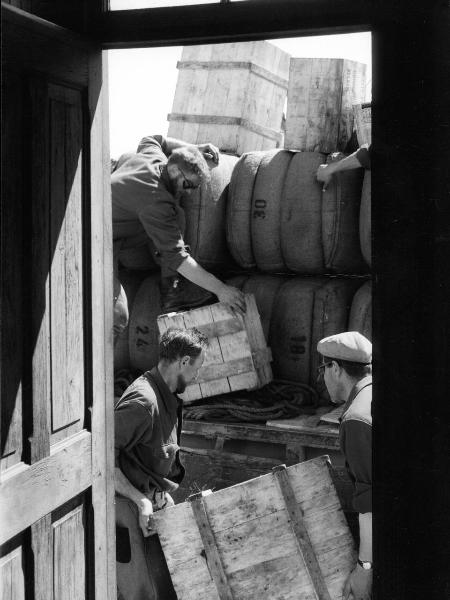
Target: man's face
[
  {"x": 188, "y": 371},
  {"x": 183, "y": 180},
  {"x": 332, "y": 378}
]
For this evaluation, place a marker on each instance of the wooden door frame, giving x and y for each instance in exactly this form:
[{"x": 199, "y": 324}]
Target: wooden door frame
[
  {"x": 411, "y": 240},
  {"x": 98, "y": 454}
]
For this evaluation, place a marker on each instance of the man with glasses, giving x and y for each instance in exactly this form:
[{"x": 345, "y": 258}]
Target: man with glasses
[
  {"x": 347, "y": 372},
  {"x": 146, "y": 188}
]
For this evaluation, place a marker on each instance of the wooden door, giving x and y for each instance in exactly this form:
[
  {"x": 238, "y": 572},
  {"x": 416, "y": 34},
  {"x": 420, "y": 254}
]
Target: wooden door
[{"x": 56, "y": 487}]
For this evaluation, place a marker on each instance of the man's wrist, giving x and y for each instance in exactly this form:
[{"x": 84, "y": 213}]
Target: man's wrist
[{"x": 366, "y": 565}]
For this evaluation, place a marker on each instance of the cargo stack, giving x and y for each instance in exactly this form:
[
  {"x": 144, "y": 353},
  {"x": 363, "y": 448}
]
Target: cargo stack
[{"x": 264, "y": 223}]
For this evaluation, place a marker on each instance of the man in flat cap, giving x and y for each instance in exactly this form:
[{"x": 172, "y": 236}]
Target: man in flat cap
[{"x": 347, "y": 372}]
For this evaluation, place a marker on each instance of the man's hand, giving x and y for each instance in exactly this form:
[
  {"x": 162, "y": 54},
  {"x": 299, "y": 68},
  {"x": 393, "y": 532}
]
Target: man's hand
[
  {"x": 324, "y": 175},
  {"x": 233, "y": 298},
  {"x": 358, "y": 585},
  {"x": 145, "y": 510},
  {"x": 209, "y": 151}
]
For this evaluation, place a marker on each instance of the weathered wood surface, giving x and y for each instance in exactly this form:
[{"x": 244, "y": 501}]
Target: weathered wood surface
[
  {"x": 321, "y": 95},
  {"x": 236, "y": 359},
  {"x": 363, "y": 123},
  {"x": 45, "y": 482},
  {"x": 12, "y": 577},
  {"x": 255, "y": 540},
  {"x": 307, "y": 431},
  {"x": 70, "y": 568},
  {"x": 13, "y": 338},
  {"x": 232, "y": 95}
]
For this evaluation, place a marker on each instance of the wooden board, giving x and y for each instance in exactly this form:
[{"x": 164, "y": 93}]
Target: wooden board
[
  {"x": 255, "y": 541},
  {"x": 237, "y": 358}
]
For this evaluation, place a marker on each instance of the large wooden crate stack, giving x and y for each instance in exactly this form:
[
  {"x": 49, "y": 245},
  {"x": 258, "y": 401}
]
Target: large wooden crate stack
[
  {"x": 321, "y": 95},
  {"x": 281, "y": 536},
  {"x": 232, "y": 95}
]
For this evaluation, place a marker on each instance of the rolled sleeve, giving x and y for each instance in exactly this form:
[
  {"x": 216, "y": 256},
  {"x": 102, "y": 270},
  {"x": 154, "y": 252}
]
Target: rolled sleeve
[
  {"x": 148, "y": 144},
  {"x": 356, "y": 444},
  {"x": 160, "y": 223},
  {"x": 363, "y": 154}
]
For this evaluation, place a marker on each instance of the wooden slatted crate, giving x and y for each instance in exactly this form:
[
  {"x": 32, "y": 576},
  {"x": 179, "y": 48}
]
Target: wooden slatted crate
[
  {"x": 281, "y": 536},
  {"x": 238, "y": 357}
]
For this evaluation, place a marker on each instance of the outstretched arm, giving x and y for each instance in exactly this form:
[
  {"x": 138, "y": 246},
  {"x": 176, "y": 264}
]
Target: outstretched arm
[
  {"x": 208, "y": 150},
  {"x": 227, "y": 294},
  {"x": 325, "y": 172}
]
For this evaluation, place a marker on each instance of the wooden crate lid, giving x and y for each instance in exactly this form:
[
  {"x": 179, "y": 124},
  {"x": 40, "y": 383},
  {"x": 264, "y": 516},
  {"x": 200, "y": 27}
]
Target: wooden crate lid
[{"x": 256, "y": 543}]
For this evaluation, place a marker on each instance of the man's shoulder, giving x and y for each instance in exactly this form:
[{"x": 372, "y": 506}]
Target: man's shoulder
[
  {"x": 140, "y": 393},
  {"x": 361, "y": 407}
]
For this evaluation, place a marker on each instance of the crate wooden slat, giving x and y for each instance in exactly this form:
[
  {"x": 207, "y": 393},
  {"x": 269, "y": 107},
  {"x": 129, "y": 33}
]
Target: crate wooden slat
[
  {"x": 256, "y": 540},
  {"x": 237, "y": 358}
]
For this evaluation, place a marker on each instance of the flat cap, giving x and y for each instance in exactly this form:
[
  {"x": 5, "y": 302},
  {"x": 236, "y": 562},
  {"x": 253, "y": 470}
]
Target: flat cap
[{"x": 350, "y": 345}]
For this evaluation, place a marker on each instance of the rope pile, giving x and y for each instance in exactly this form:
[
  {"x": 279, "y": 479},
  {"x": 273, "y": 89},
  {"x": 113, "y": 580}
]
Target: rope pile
[
  {"x": 279, "y": 399},
  {"x": 122, "y": 379}
]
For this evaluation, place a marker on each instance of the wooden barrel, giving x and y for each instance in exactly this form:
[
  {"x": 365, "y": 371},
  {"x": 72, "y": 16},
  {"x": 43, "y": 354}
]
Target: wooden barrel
[
  {"x": 294, "y": 226},
  {"x": 301, "y": 215},
  {"x": 205, "y": 214},
  {"x": 265, "y": 289},
  {"x": 232, "y": 95},
  {"x": 239, "y": 208},
  {"x": 365, "y": 219},
  {"x": 321, "y": 94},
  {"x": 143, "y": 331},
  {"x": 361, "y": 311},
  {"x": 306, "y": 310},
  {"x": 130, "y": 280},
  {"x": 341, "y": 204},
  {"x": 266, "y": 211}
]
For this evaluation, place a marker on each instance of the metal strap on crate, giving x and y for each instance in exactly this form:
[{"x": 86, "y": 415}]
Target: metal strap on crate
[
  {"x": 297, "y": 523},
  {"x": 209, "y": 543}
]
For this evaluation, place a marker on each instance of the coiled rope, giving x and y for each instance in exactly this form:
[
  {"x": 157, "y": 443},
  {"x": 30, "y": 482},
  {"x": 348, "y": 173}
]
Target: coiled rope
[{"x": 279, "y": 399}]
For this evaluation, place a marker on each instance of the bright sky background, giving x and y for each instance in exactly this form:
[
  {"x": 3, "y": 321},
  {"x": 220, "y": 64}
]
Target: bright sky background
[{"x": 142, "y": 81}]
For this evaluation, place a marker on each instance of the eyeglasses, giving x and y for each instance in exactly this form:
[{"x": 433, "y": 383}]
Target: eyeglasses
[
  {"x": 187, "y": 184},
  {"x": 322, "y": 366}
]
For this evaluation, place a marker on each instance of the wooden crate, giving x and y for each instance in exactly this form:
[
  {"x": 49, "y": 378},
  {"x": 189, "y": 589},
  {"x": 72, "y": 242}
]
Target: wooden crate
[
  {"x": 237, "y": 358},
  {"x": 363, "y": 123},
  {"x": 320, "y": 101},
  {"x": 232, "y": 95},
  {"x": 280, "y": 536}
]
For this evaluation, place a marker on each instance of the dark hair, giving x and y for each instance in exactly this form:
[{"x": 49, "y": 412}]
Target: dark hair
[
  {"x": 176, "y": 343},
  {"x": 353, "y": 369},
  {"x": 191, "y": 159}
]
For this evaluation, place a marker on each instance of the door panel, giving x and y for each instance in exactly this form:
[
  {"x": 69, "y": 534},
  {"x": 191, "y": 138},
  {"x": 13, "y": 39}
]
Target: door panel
[{"x": 56, "y": 486}]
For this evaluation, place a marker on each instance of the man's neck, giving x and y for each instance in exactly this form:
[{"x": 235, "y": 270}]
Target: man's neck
[{"x": 167, "y": 372}]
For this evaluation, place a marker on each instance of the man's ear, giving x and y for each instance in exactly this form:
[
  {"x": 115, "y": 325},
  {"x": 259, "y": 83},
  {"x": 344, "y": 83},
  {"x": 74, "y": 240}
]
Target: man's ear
[
  {"x": 185, "y": 360},
  {"x": 336, "y": 367}
]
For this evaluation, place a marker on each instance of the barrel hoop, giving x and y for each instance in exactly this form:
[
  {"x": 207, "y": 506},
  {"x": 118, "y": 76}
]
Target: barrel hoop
[
  {"x": 248, "y": 66},
  {"x": 220, "y": 120}
]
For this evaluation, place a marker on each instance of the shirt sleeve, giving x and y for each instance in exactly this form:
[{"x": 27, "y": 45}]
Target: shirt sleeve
[
  {"x": 159, "y": 220},
  {"x": 363, "y": 154},
  {"x": 148, "y": 144},
  {"x": 132, "y": 423},
  {"x": 356, "y": 444}
]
